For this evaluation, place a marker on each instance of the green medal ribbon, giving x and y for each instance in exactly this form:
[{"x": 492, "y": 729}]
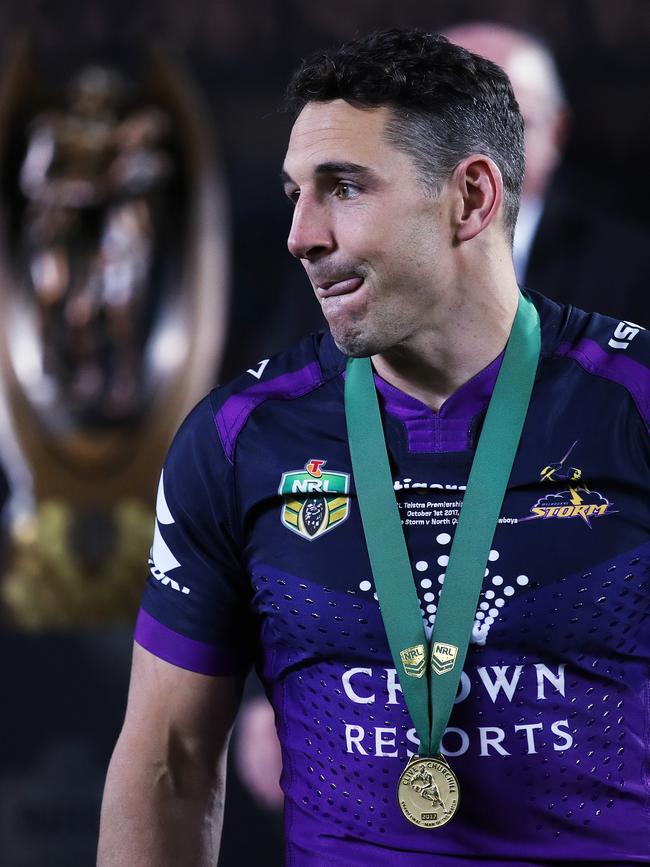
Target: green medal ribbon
[{"x": 429, "y": 677}]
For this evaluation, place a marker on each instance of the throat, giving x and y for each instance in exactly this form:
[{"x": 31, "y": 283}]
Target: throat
[
  {"x": 431, "y": 387},
  {"x": 434, "y": 363},
  {"x": 433, "y": 384}
]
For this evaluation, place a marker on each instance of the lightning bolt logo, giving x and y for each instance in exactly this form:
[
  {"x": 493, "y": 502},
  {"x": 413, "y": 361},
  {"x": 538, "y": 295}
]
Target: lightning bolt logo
[{"x": 574, "y": 501}]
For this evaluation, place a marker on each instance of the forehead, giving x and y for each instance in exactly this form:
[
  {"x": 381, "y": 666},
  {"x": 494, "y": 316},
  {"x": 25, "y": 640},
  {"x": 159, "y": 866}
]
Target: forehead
[{"x": 335, "y": 131}]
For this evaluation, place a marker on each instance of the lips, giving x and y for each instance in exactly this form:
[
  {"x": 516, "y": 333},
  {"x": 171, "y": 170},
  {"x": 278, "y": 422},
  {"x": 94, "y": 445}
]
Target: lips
[{"x": 330, "y": 289}]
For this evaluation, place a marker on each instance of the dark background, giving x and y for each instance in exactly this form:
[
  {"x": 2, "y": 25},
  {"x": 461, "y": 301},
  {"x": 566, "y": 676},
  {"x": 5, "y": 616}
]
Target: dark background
[
  {"x": 62, "y": 696},
  {"x": 240, "y": 53}
]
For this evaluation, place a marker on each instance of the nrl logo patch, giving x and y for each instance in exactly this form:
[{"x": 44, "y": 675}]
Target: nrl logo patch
[
  {"x": 443, "y": 657},
  {"x": 316, "y": 501},
  {"x": 414, "y": 660}
]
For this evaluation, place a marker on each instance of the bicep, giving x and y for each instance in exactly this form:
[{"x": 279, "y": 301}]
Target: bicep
[
  {"x": 163, "y": 801},
  {"x": 176, "y": 712}
]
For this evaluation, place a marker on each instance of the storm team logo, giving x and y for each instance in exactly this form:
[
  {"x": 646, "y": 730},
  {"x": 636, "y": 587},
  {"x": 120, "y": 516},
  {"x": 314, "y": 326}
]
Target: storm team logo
[
  {"x": 577, "y": 501},
  {"x": 574, "y": 503},
  {"x": 316, "y": 501}
]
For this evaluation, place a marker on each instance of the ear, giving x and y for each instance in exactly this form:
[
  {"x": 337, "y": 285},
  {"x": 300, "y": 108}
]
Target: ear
[{"x": 478, "y": 180}]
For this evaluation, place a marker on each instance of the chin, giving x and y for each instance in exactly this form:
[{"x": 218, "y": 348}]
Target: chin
[{"x": 354, "y": 344}]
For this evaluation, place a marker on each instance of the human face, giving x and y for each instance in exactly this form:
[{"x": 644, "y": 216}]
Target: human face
[{"x": 374, "y": 243}]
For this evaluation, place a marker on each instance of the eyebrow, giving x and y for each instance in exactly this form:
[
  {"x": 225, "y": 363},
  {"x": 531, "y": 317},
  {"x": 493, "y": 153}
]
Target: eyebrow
[{"x": 333, "y": 168}]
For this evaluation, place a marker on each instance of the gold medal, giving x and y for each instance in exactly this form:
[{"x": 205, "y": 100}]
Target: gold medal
[{"x": 428, "y": 792}]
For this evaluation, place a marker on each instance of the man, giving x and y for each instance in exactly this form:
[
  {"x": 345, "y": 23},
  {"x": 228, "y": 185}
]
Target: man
[
  {"x": 564, "y": 248},
  {"x": 404, "y": 167},
  {"x": 561, "y": 247}
]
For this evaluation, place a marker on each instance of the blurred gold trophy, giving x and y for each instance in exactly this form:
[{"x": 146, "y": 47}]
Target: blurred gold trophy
[{"x": 113, "y": 302}]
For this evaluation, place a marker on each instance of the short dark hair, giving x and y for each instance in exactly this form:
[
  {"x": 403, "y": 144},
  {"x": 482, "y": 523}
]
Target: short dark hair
[{"x": 446, "y": 102}]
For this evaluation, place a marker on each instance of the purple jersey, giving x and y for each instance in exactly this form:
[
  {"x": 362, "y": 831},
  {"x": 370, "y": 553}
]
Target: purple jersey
[{"x": 259, "y": 557}]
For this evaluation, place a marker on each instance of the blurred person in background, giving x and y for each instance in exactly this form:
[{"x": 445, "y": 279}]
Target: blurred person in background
[{"x": 562, "y": 248}]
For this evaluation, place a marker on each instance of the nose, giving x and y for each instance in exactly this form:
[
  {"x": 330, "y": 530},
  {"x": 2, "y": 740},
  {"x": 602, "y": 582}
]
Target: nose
[{"x": 311, "y": 233}]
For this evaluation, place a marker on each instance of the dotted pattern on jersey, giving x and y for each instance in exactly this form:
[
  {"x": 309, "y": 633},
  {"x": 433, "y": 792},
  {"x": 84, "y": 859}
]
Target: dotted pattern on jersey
[
  {"x": 493, "y": 596},
  {"x": 576, "y": 772}
]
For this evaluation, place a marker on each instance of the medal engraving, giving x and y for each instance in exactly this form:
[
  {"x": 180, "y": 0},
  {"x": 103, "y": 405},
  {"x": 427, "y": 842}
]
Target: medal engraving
[{"x": 428, "y": 792}]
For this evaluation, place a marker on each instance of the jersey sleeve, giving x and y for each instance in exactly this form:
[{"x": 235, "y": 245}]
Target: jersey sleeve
[
  {"x": 195, "y": 610},
  {"x": 618, "y": 351}
]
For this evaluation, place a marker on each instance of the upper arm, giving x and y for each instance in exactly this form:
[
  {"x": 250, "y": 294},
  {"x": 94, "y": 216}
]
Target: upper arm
[
  {"x": 172, "y": 711},
  {"x": 194, "y": 635},
  {"x": 163, "y": 801},
  {"x": 196, "y": 608}
]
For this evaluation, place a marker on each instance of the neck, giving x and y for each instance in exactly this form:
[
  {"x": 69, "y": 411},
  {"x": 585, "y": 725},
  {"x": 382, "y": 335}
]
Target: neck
[{"x": 467, "y": 335}]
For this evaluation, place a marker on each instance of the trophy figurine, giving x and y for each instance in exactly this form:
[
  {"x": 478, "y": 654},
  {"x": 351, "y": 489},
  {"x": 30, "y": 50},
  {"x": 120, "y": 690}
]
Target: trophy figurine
[{"x": 113, "y": 302}]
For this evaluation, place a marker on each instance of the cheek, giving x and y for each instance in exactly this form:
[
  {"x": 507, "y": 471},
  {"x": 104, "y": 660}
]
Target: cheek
[
  {"x": 397, "y": 246},
  {"x": 367, "y": 230}
]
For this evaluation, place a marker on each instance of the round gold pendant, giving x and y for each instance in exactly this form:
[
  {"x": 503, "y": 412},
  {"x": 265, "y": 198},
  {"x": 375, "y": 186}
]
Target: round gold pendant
[{"x": 428, "y": 792}]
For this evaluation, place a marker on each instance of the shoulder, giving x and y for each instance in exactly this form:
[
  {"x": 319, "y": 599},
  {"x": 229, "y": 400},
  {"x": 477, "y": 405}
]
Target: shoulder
[
  {"x": 286, "y": 376},
  {"x": 208, "y": 435},
  {"x": 612, "y": 349}
]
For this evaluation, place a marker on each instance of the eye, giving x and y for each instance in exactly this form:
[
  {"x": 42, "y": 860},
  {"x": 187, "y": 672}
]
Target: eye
[
  {"x": 346, "y": 190},
  {"x": 292, "y": 194}
]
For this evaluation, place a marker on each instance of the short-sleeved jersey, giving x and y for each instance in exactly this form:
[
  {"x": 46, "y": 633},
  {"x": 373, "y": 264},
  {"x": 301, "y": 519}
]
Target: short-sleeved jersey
[{"x": 259, "y": 557}]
